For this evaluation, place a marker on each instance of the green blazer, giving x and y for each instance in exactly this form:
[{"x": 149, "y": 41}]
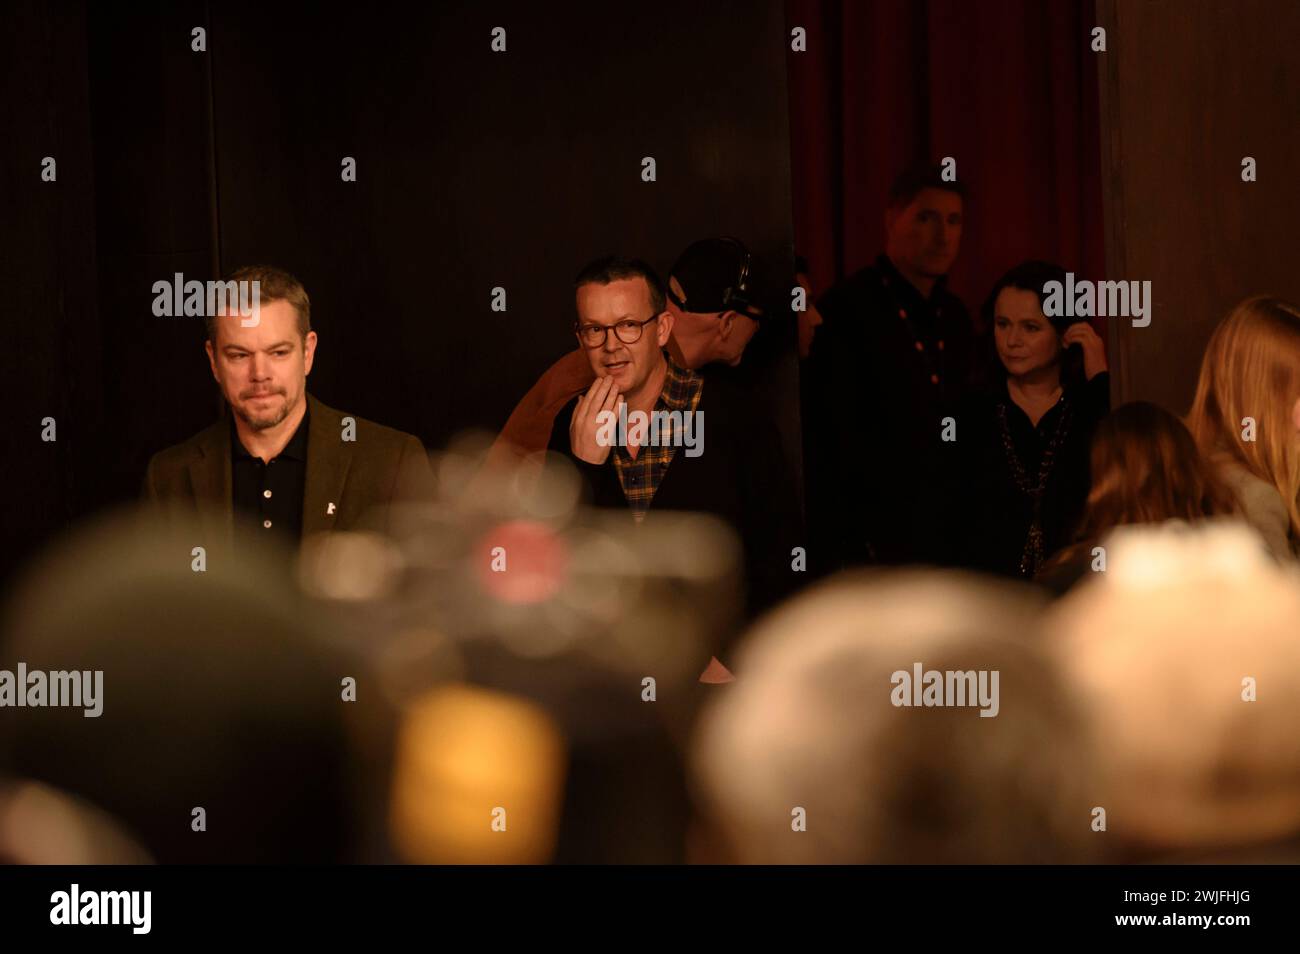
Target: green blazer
[{"x": 350, "y": 485}]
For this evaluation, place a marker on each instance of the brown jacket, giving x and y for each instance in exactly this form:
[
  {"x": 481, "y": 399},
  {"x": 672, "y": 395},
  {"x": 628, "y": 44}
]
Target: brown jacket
[{"x": 351, "y": 485}]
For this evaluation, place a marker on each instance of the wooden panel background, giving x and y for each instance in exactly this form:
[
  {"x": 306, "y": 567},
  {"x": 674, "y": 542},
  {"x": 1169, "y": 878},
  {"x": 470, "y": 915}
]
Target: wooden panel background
[{"x": 1189, "y": 88}]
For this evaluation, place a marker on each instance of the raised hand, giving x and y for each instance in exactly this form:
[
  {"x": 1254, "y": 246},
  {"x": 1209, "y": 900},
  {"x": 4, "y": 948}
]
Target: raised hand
[
  {"x": 1094, "y": 349},
  {"x": 583, "y": 427}
]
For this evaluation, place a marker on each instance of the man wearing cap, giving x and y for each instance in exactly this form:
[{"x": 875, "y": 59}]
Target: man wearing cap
[
  {"x": 728, "y": 324},
  {"x": 719, "y": 316}
]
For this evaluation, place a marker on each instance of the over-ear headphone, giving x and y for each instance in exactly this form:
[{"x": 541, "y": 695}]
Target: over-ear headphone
[{"x": 738, "y": 296}]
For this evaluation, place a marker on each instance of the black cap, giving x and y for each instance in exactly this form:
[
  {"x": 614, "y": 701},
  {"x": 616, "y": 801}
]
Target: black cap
[{"x": 719, "y": 274}]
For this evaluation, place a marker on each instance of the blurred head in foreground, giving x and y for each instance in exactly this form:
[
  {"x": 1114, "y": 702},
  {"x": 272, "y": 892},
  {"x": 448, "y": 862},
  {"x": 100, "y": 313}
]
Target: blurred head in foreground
[
  {"x": 220, "y": 691},
  {"x": 830, "y": 730},
  {"x": 40, "y": 825},
  {"x": 1185, "y": 654}
]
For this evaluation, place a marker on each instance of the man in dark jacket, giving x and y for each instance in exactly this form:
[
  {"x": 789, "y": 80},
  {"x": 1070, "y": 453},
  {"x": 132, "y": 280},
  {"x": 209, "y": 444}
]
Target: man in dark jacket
[
  {"x": 281, "y": 463},
  {"x": 638, "y": 433},
  {"x": 886, "y": 372},
  {"x": 725, "y": 318}
]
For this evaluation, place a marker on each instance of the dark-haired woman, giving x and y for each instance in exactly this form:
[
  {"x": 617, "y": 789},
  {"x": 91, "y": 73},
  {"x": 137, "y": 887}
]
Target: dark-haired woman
[
  {"x": 1145, "y": 468},
  {"x": 1024, "y": 440}
]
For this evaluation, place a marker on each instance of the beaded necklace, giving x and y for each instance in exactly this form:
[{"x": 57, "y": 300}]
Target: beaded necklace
[
  {"x": 1031, "y": 554},
  {"x": 934, "y": 368}
]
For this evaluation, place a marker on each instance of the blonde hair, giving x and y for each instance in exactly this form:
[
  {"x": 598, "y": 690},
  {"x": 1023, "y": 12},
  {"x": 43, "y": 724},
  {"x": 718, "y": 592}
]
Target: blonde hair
[{"x": 1251, "y": 368}]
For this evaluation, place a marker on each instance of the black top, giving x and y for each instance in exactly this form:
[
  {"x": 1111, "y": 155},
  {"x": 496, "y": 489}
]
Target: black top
[
  {"x": 268, "y": 497},
  {"x": 886, "y": 367},
  {"x": 740, "y": 476},
  {"x": 1003, "y": 460},
  {"x": 769, "y": 372}
]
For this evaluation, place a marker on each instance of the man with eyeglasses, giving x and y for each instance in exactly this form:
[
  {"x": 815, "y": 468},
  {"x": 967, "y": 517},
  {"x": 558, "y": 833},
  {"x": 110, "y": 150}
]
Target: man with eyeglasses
[
  {"x": 624, "y": 325},
  {"x": 631, "y": 369},
  {"x": 716, "y": 294}
]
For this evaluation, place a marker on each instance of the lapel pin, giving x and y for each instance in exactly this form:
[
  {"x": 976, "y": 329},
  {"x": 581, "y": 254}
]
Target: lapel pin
[{"x": 329, "y": 510}]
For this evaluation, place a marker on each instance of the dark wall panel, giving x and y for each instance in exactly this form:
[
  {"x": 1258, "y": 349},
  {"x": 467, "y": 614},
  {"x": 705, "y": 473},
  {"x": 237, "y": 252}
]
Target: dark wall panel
[
  {"x": 152, "y": 156},
  {"x": 1189, "y": 88},
  {"x": 50, "y": 360},
  {"x": 479, "y": 169}
]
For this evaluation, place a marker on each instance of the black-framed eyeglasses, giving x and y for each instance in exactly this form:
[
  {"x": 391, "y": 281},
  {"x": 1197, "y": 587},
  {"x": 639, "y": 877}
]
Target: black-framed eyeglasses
[{"x": 627, "y": 331}]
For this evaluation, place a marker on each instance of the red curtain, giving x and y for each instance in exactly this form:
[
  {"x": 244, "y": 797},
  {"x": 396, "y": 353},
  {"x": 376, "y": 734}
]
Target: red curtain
[{"x": 1008, "y": 89}]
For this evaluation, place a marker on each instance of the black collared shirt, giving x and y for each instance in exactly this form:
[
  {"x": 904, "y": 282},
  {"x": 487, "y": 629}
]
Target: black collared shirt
[
  {"x": 887, "y": 366},
  {"x": 267, "y": 497}
]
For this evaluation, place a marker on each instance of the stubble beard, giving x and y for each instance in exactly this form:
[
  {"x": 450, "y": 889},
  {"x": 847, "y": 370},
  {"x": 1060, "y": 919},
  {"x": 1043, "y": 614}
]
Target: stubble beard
[{"x": 265, "y": 423}]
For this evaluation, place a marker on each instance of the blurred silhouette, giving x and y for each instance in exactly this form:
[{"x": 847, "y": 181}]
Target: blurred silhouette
[
  {"x": 811, "y": 724},
  {"x": 221, "y": 691},
  {"x": 40, "y": 825},
  {"x": 508, "y": 605},
  {"x": 1185, "y": 654}
]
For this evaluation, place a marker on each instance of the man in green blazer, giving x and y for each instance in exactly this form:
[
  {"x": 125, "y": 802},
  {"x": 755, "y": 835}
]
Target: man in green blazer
[{"x": 281, "y": 463}]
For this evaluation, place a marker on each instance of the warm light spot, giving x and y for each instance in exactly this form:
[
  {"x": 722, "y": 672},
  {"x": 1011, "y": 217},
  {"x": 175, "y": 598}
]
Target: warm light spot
[{"x": 463, "y": 753}]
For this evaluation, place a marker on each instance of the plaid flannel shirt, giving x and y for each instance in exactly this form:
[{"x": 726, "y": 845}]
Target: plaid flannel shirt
[{"x": 641, "y": 477}]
